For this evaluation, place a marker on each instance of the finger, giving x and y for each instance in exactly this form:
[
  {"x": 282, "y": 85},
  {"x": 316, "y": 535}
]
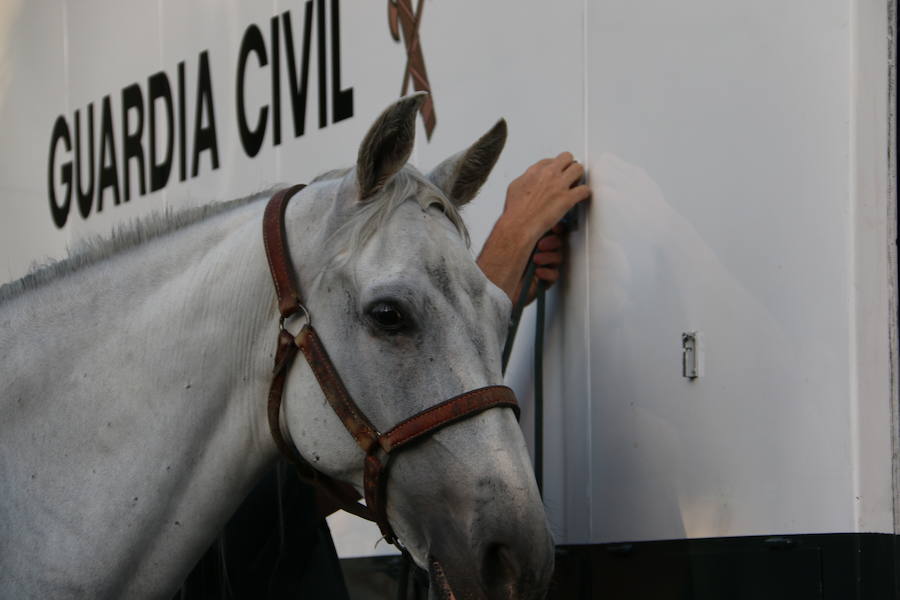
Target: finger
[
  {"x": 547, "y": 275},
  {"x": 549, "y": 242},
  {"x": 563, "y": 160},
  {"x": 577, "y": 194},
  {"x": 546, "y": 259},
  {"x": 573, "y": 173}
]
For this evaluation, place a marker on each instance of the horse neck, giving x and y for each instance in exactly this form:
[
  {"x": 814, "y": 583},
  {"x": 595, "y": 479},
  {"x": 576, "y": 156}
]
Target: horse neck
[{"x": 154, "y": 429}]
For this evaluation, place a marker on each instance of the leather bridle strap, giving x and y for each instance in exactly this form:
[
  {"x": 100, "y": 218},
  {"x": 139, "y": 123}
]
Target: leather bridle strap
[
  {"x": 343, "y": 494},
  {"x": 377, "y": 446},
  {"x": 289, "y": 303},
  {"x": 275, "y": 241},
  {"x": 419, "y": 425}
]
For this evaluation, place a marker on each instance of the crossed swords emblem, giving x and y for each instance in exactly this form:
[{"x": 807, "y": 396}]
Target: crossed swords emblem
[{"x": 401, "y": 18}]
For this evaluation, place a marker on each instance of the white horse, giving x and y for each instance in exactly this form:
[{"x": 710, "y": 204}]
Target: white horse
[{"x": 134, "y": 381}]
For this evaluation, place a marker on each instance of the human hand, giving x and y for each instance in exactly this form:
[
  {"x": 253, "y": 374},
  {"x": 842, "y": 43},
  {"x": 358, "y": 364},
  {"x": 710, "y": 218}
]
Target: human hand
[
  {"x": 539, "y": 198},
  {"x": 535, "y": 203}
]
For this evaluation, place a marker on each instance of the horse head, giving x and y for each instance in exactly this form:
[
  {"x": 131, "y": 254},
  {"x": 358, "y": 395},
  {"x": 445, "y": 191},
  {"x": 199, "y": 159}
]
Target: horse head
[{"x": 409, "y": 320}]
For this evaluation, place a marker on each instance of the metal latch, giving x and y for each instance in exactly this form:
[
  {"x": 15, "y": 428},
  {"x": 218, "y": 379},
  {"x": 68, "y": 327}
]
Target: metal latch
[{"x": 691, "y": 355}]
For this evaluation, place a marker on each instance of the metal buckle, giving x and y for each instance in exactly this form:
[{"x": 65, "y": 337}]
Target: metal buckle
[{"x": 282, "y": 319}]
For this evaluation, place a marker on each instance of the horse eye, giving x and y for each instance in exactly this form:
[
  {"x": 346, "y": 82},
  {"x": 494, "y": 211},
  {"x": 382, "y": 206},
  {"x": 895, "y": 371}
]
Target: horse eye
[{"x": 387, "y": 316}]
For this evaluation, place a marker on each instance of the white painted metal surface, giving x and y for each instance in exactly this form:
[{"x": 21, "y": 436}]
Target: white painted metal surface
[
  {"x": 727, "y": 183},
  {"x": 738, "y": 154}
]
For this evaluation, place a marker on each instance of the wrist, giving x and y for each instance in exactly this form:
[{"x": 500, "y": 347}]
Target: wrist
[
  {"x": 519, "y": 234},
  {"x": 505, "y": 255}
]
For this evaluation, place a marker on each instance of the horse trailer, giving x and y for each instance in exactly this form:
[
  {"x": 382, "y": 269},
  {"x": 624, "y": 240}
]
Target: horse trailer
[{"x": 720, "y": 356}]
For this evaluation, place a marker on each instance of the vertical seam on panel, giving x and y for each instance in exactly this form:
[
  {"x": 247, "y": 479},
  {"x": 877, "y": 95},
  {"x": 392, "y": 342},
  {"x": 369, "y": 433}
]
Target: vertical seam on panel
[
  {"x": 892, "y": 215},
  {"x": 587, "y": 270},
  {"x": 855, "y": 80}
]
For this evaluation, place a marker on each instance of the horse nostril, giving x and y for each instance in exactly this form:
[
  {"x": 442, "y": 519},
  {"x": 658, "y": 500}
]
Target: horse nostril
[{"x": 500, "y": 571}]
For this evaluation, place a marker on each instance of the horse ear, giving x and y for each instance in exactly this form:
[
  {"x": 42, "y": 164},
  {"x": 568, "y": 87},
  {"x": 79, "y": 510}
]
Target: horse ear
[
  {"x": 388, "y": 144},
  {"x": 461, "y": 176}
]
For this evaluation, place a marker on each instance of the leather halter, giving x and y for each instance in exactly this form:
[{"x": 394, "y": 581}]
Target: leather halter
[{"x": 377, "y": 446}]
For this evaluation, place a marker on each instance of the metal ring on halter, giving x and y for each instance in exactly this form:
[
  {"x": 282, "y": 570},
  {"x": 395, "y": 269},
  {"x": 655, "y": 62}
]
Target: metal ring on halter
[{"x": 302, "y": 309}]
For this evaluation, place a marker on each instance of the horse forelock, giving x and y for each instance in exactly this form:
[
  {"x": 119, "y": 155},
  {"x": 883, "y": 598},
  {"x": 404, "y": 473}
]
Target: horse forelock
[{"x": 365, "y": 219}]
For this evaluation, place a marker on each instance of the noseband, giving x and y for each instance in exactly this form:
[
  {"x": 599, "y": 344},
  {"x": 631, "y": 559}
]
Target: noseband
[{"x": 378, "y": 447}]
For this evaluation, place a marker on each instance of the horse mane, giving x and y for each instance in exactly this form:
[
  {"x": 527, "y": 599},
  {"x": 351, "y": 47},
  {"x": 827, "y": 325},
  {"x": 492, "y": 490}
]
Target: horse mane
[
  {"x": 125, "y": 236},
  {"x": 346, "y": 242}
]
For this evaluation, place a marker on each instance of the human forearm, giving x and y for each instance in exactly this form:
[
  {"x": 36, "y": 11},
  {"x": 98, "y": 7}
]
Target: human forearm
[{"x": 505, "y": 255}]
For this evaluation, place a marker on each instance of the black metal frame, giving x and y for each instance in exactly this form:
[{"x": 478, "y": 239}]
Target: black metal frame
[{"x": 833, "y": 566}]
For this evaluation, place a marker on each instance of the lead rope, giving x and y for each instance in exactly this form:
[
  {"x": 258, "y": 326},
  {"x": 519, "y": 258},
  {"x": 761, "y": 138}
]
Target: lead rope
[
  {"x": 518, "y": 307},
  {"x": 569, "y": 222},
  {"x": 539, "y": 387},
  {"x": 514, "y": 320}
]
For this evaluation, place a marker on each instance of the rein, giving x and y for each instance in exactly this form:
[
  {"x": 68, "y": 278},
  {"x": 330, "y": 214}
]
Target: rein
[{"x": 378, "y": 447}]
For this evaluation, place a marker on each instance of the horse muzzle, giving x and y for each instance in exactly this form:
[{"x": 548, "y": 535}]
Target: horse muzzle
[
  {"x": 477, "y": 523},
  {"x": 501, "y": 570}
]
